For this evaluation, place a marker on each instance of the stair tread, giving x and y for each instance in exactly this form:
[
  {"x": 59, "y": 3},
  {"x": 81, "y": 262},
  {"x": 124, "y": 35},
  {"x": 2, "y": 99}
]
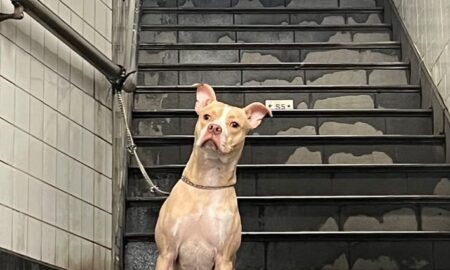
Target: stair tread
[
  {"x": 332, "y": 198},
  {"x": 246, "y": 27},
  {"x": 322, "y": 167},
  {"x": 286, "y": 65},
  {"x": 324, "y": 235},
  {"x": 263, "y": 10},
  {"x": 299, "y": 112},
  {"x": 315, "y": 45}
]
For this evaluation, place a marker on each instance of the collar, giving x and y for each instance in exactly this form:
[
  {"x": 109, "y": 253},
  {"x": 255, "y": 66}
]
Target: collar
[{"x": 189, "y": 182}]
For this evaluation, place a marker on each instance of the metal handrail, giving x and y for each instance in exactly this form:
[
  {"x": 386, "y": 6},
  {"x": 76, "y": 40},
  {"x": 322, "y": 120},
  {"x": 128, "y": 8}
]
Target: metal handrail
[{"x": 116, "y": 74}]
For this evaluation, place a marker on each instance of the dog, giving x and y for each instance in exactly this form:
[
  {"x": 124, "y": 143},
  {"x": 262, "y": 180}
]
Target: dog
[{"x": 199, "y": 226}]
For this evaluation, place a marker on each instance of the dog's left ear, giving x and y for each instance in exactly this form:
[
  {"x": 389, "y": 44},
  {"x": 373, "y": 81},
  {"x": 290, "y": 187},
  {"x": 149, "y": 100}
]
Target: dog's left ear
[
  {"x": 205, "y": 95},
  {"x": 256, "y": 112}
]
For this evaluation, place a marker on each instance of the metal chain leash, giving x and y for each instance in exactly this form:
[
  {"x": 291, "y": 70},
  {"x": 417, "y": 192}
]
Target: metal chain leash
[{"x": 131, "y": 147}]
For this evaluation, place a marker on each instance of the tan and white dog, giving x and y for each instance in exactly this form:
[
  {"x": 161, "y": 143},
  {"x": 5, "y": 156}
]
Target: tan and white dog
[{"x": 199, "y": 226}]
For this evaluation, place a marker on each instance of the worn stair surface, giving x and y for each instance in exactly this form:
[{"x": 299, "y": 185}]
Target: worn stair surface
[{"x": 352, "y": 177}]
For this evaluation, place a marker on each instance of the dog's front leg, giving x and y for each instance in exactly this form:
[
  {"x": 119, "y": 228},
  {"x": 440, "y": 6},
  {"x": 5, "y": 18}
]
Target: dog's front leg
[{"x": 165, "y": 262}]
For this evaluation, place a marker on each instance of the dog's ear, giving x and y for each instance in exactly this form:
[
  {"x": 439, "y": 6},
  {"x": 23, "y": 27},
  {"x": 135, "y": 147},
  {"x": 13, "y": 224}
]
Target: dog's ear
[
  {"x": 256, "y": 112},
  {"x": 205, "y": 95}
]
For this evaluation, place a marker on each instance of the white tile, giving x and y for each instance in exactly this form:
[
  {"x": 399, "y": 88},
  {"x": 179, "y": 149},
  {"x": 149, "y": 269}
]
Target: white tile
[
  {"x": 108, "y": 259},
  {"x": 50, "y": 88},
  {"x": 23, "y": 69},
  {"x": 48, "y": 243},
  {"x": 8, "y": 56},
  {"x": 62, "y": 249},
  {"x": 76, "y": 105},
  {"x": 99, "y": 226},
  {"x": 75, "y": 140},
  {"x": 76, "y": 69},
  {"x": 87, "y": 185},
  {"x": 20, "y": 233},
  {"x": 49, "y": 165},
  {"x": 50, "y": 126},
  {"x": 37, "y": 79},
  {"x": 35, "y": 198},
  {"x": 100, "y": 17},
  {"x": 62, "y": 211},
  {"x": 75, "y": 253},
  {"x": 100, "y": 191},
  {"x": 87, "y": 221},
  {"x": 99, "y": 154},
  {"x": 108, "y": 230},
  {"x": 6, "y": 223},
  {"x": 87, "y": 254},
  {"x": 108, "y": 160},
  {"x": 7, "y": 96},
  {"x": 88, "y": 78},
  {"x": 75, "y": 174},
  {"x": 63, "y": 96},
  {"x": 100, "y": 117},
  {"x": 34, "y": 245},
  {"x": 109, "y": 26},
  {"x": 74, "y": 215},
  {"x": 37, "y": 40},
  {"x": 51, "y": 50},
  {"x": 88, "y": 112},
  {"x": 6, "y": 142},
  {"x": 23, "y": 33},
  {"x": 88, "y": 148},
  {"x": 36, "y": 157},
  {"x": 64, "y": 12},
  {"x": 21, "y": 149},
  {"x": 22, "y": 110},
  {"x": 99, "y": 257},
  {"x": 89, "y": 11},
  {"x": 6, "y": 183},
  {"x": 49, "y": 204},
  {"x": 36, "y": 118},
  {"x": 76, "y": 21},
  {"x": 8, "y": 27},
  {"x": 20, "y": 191},
  {"x": 108, "y": 199},
  {"x": 63, "y": 133},
  {"x": 64, "y": 60},
  {"x": 62, "y": 171}
]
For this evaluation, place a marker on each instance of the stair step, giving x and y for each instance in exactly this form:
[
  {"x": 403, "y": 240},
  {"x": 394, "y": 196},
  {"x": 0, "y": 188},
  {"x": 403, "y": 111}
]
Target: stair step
[
  {"x": 271, "y": 46},
  {"x": 264, "y": 33},
  {"x": 273, "y": 16},
  {"x": 317, "y": 149},
  {"x": 320, "y": 179},
  {"x": 307, "y": 4},
  {"x": 252, "y": 56},
  {"x": 297, "y": 122},
  {"x": 390, "y": 73},
  {"x": 318, "y": 213},
  {"x": 343, "y": 251}
]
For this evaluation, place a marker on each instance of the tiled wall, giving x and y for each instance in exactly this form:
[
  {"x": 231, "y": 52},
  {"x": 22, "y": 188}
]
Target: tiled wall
[
  {"x": 55, "y": 140},
  {"x": 428, "y": 23}
]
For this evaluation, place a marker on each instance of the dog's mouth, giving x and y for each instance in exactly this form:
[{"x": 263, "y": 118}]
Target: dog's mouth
[{"x": 210, "y": 144}]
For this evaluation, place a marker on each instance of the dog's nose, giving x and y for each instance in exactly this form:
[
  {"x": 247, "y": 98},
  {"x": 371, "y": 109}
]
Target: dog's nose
[{"x": 214, "y": 129}]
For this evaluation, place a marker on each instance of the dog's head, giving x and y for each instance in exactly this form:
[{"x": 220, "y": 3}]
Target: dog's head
[{"x": 221, "y": 128}]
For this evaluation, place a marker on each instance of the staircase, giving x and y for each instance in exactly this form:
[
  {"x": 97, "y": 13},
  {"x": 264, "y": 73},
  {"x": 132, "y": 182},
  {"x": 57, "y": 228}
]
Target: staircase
[{"x": 352, "y": 178}]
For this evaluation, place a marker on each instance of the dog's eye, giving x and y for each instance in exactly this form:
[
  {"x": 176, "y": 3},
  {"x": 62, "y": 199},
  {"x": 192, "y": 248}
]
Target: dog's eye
[
  {"x": 234, "y": 125},
  {"x": 206, "y": 117}
]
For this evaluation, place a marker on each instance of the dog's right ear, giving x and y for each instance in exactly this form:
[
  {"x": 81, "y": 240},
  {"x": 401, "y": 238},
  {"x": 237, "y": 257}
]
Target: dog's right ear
[{"x": 205, "y": 95}]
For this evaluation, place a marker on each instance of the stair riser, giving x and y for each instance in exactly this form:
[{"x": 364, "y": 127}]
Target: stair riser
[
  {"x": 302, "y": 100},
  {"x": 276, "y": 77},
  {"x": 294, "y": 182},
  {"x": 263, "y": 3},
  {"x": 301, "y": 216},
  {"x": 306, "y": 255},
  {"x": 208, "y": 18},
  {"x": 268, "y": 56},
  {"x": 301, "y": 153},
  {"x": 299, "y": 126},
  {"x": 275, "y": 36}
]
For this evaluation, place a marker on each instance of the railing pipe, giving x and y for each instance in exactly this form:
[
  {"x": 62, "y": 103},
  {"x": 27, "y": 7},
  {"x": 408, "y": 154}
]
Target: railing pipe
[{"x": 41, "y": 13}]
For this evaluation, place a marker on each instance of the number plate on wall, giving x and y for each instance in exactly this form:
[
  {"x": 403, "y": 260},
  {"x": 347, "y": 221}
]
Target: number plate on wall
[{"x": 280, "y": 104}]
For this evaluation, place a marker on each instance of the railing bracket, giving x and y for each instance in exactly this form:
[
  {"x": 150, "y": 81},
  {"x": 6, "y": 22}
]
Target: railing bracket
[{"x": 16, "y": 15}]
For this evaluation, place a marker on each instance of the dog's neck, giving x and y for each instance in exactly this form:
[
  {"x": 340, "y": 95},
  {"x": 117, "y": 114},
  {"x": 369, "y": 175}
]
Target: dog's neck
[{"x": 209, "y": 169}]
